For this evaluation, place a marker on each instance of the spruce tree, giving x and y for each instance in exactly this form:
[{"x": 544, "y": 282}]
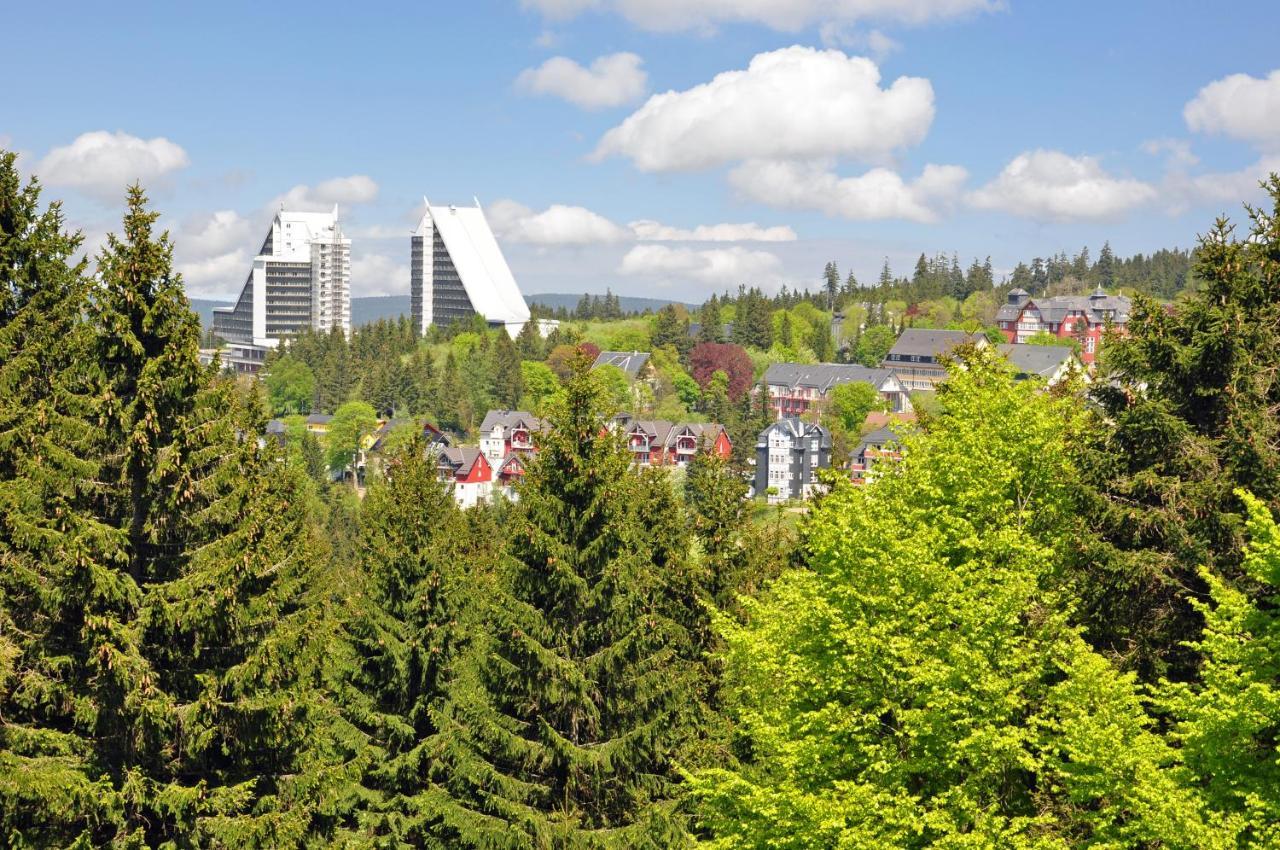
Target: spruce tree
[
  {"x": 508, "y": 385},
  {"x": 411, "y": 623},
  {"x": 56, "y": 570},
  {"x": 1188, "y": 406},
  {"x": 560, "y": 729}
]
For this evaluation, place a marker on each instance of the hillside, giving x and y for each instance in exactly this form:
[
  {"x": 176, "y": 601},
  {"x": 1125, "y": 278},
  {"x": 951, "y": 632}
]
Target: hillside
[{"x": 370, "y": 309}]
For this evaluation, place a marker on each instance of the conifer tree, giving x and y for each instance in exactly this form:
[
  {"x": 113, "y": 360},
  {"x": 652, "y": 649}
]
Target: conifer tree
[
  {"x": 167, "y": 661},
  {"x": 530, "y": 343},
  {"x": 412, "y": 622},
  {"x": 508, "y": 385},
  {"x": 1188, "y": 410},
  {"x": 559, "y": 731},
  {"x": 52, "y": 549}
]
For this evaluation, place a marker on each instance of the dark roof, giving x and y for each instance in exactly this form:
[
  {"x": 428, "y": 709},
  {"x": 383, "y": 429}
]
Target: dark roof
[
  {"x": 1096, "y": 307},
  {"x": 276, "y": 426},
  {"x": 510, "y": 419},
  {"x": 796, "y": 428},
  {"x": 319, "y": 419},
  {"x": 1042, "y": 360},
  {"x": 922, "y": 342},
  {"x": 663, "y": 433},
  {"x": 630, "y": 362},
  {"x": 824, "y": 376},
  {"x": 459, "y": 458}
]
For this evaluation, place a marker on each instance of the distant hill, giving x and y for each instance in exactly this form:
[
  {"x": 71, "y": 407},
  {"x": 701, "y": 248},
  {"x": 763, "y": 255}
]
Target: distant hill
[
  {"x": 370, "y": 309},
  {"x": 628, "y": 303},
  {"x": 364, "y": 311}
]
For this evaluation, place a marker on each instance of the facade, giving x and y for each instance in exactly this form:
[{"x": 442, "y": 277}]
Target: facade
[
  {"x": 468, "y": 473},
  {"x": 1083, "y": 318},
  {"x": 916, "y": 358},
  {"x": 657, "y": 442},
  {"x": 788, "y": 454},
  {"x": 796, "y": 388},
  {"x": 507, "y": 432},
  {"x": 301, "y": 278},
  {"x": 456, "y": 271},
  {"x": 882, "y": 444}
]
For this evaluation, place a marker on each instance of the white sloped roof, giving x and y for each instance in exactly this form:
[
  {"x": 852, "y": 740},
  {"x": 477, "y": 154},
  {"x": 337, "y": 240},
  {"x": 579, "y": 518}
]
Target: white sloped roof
[{"x": 479, "y": 261}]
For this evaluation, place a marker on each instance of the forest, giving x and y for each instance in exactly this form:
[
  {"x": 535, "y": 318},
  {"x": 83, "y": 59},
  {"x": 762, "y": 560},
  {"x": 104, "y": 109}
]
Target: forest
[{"x": 1051, "y": 624}]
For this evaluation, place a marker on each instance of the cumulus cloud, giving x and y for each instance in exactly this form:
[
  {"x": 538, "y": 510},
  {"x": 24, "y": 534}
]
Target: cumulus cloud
[
  {"x": 1051, "y": 185},
  {"x": 610, "y": 81},
  {"x": 878, "y": 194},
  {"x": 214, "y": 233},
  {"x": 102, "y": 164},
  {"x": 797, "y": 102},
  {"x": 356, "y": 189},
  {"x": 556, "y": 225},
  {"x": 1241, "y": 107},
  {"x": 715, "y": 266},
  {"x": 653, "y": 231},
  {"x": 1183, "y": 190},
  {"x": 786, "y": 15},
  {"x": 220, "y": 275},
  {"x": 1176, "y": 152},
  {"x": 377, "y": 274},
  {"x": 843, "y": 35}
]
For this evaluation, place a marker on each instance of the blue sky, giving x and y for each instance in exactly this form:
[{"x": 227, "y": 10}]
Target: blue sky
[{"x": 757, "y": 138}]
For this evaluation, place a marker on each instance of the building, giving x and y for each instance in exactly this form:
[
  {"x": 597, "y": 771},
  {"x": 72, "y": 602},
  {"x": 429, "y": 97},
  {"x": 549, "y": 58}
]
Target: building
[
  {"x": 300, "y": 279},
  {"x": 657, "y": 442},
  {"x": 1083, "y": 318},
  {"x": 796, "y": 388},
  {"x": 467, "y": 472},
  {"x": 917, "y": 357},
  {"x": 1050, "y": 363},
  {"x": 504, "y": 432},
  {"x": 318, "y": 423},
  {"x": 882, "y": 444},
  {"x": 634, "y": 364},
  {"x": 456, "y": 271},
  {"x": 788, "y": 455}
]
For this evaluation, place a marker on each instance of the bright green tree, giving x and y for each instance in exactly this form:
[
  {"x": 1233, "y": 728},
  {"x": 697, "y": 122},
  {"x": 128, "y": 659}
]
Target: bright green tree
[
  {"x": 540, "y": 383},
  {"x": 560, "y": 730},
  {"x": 874, "y": 345},
  {"x": 848, "y": 404},
  {"x": 354, "y": 421},
  {"x": 918, "y": 684},
  {"x": 1226, "y": 722},
  {"x": 290, "y": 385}
]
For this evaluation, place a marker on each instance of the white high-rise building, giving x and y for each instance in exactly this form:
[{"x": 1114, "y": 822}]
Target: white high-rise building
[
  {"x": 300, "y": 279},
  {"x": 457, "y": 271}
]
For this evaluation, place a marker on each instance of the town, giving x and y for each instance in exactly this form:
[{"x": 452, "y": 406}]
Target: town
[{"x": 811, "y": 415}]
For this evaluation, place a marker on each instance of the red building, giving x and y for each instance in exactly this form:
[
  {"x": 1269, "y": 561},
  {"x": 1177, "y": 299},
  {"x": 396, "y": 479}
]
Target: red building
[
  {"x": 657, "y": 442},
  {"x": 1082, "y": 318}
]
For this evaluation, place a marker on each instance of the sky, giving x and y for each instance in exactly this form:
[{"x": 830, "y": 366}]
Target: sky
[{"x": 668, "y": 148}]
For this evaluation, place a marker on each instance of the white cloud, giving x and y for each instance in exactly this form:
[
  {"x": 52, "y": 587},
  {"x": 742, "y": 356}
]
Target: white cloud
[
  {"x": 220, "y": 275},
  {"x": 1183, "y": 190},
  {"x": 103, "y": 164},
  {"x": 215, "y": 233},
  {"x": 877, "y": 194},
  {"x": 1047, "y": 184},
  {"x": 1177, "y": 152},
  {"x": 786, "y": 15},
  {"x": 610, "y": 81},
  {"x": 356, "y": 189},
  {"x": 653, "y": 231},
  {"x": 377, "y": 274},
  {"x": 556, "y": 225},
  {"x": 797, "y": 102},
  {"x": 1241, "y": 107},
  {"x": 715, "y": 266},
  {"x": 843, "y": 35}
]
